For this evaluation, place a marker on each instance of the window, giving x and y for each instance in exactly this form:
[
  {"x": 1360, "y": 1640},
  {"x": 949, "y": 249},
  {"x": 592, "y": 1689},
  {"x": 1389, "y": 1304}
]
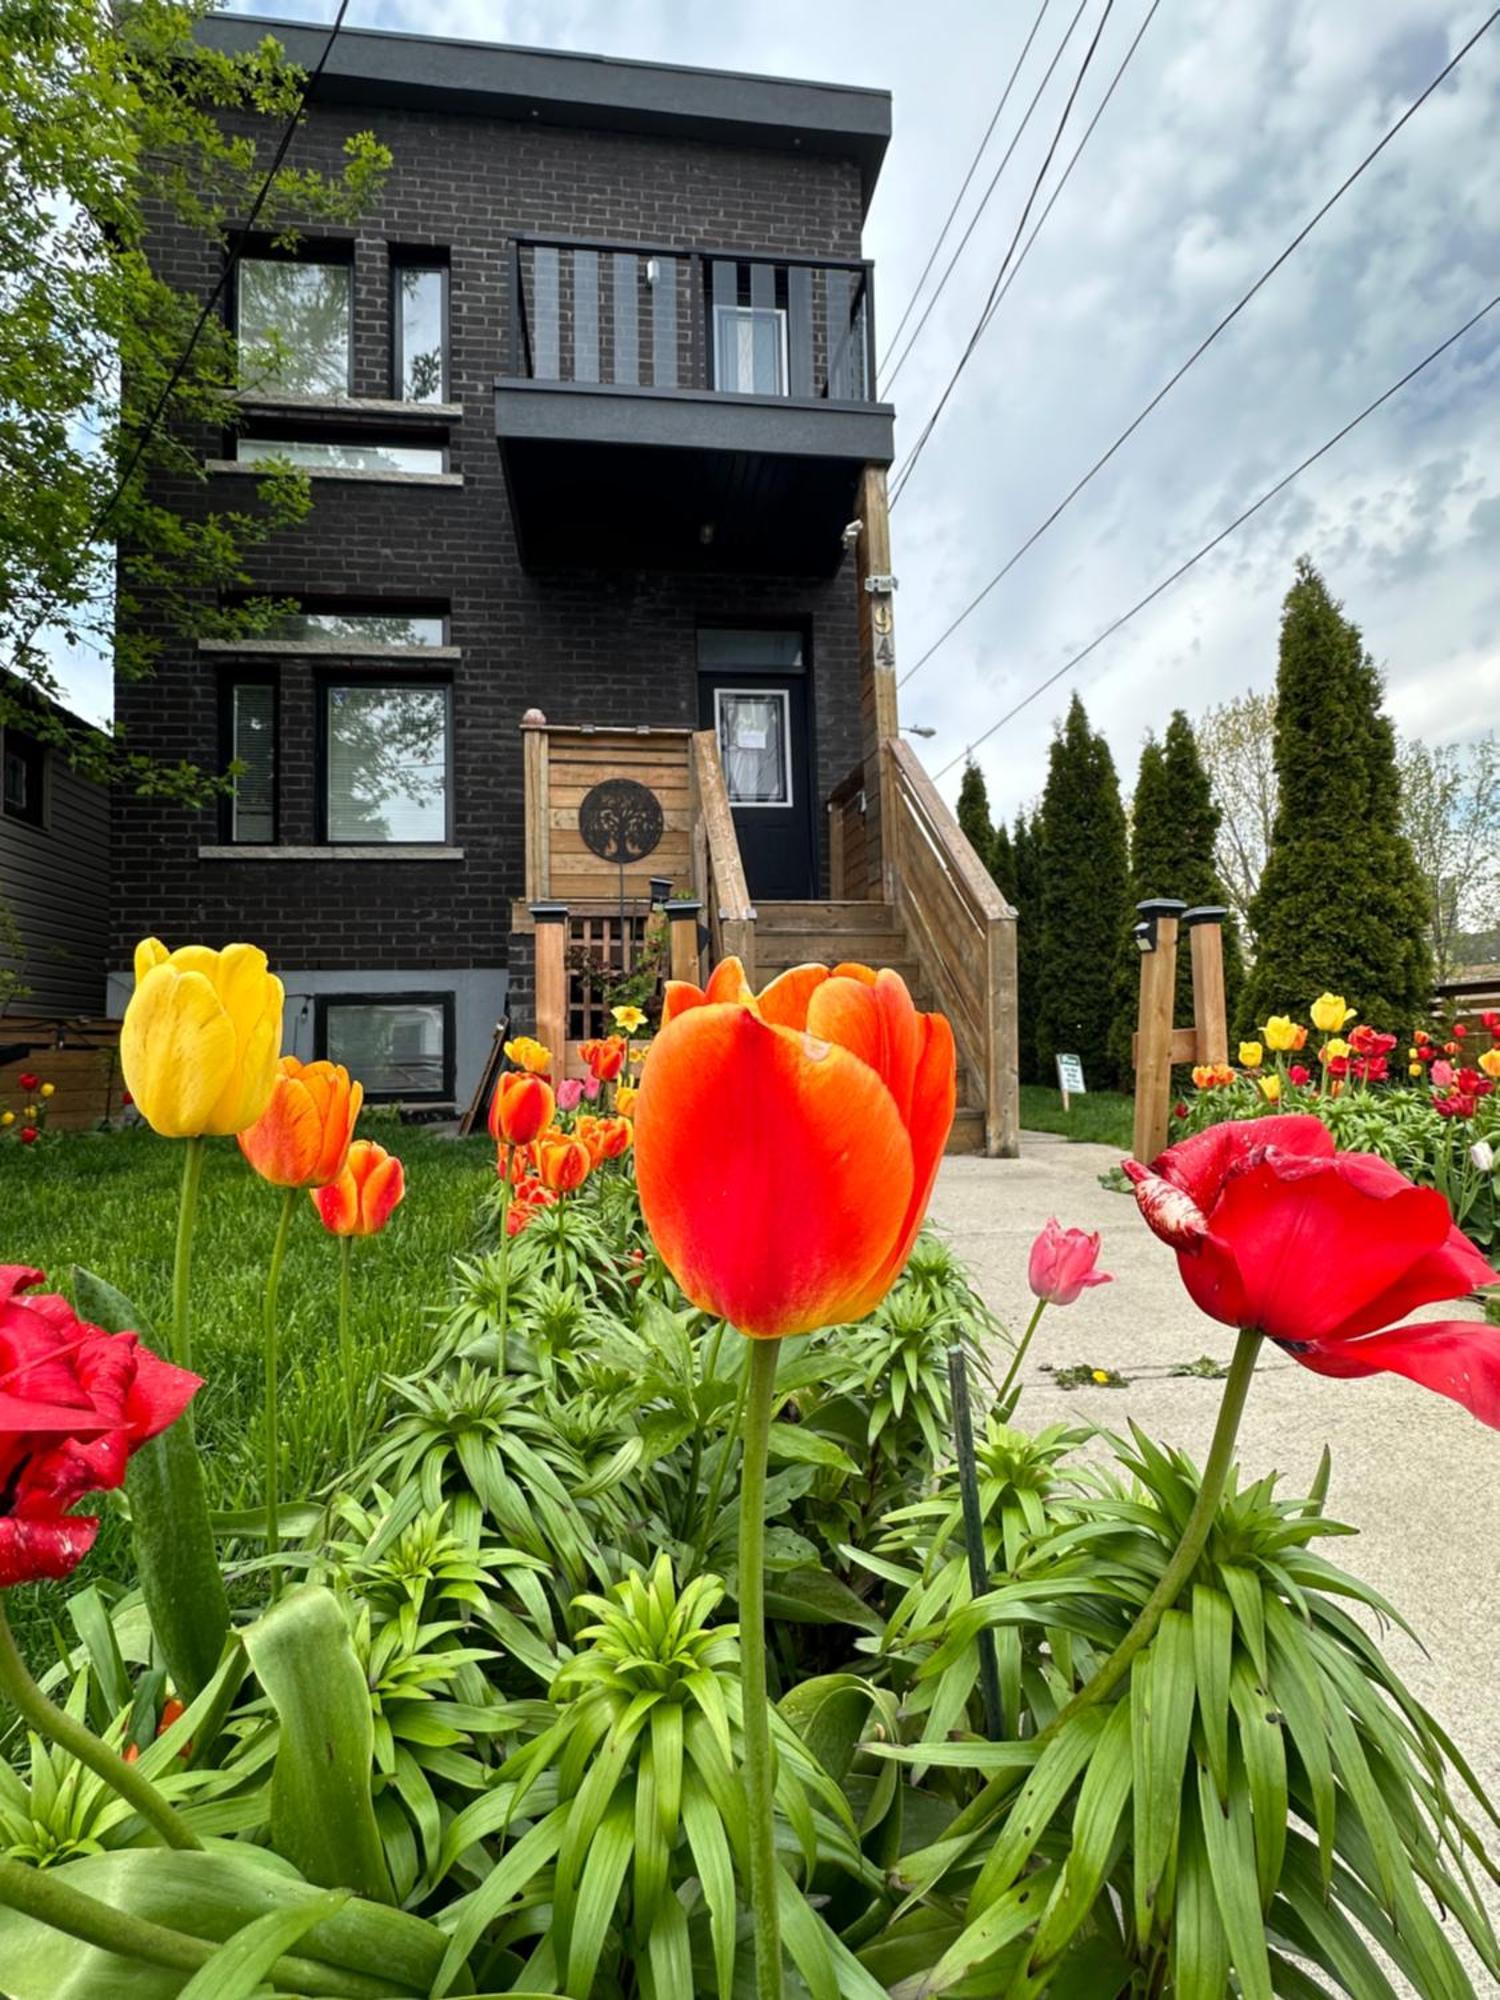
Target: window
[
  {"x": 295, "y": 325},
  {"x": 419, "y": 293},
  {"x": 400, "y": 1045},
  {"x": 750, "y": 350},
  {"x": 387, "y": 762},
  {"x": 755, "y": 745},
  {"x": 723, "y": 649},
  {"x": 342, "y": 454},
  {"x": 367, "y": 628},
  {"x": 252, "y": 743},
  {"x": 25, "y": 767}
]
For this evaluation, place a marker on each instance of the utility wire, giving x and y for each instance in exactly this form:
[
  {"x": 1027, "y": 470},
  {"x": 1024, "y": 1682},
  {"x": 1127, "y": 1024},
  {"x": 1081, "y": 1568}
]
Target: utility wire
[
  {"x": 1225, "y": 532},
  {"x": 942, "y": 235},
  {"x": 984, "y": 198},
  {"x": 977, "y": 335},
  {"x": 101, "y": 515},
  {"x": 1201, "y": 349}
]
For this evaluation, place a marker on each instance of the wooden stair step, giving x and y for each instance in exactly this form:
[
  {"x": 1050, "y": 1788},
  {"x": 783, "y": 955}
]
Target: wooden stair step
[
  {"x": 826, "y": 916},
  {"x": 967, "y": 1135}
]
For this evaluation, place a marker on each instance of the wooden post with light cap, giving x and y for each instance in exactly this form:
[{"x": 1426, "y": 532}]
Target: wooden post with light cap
[
  {"x": 1205, "y": 928},
  {"x": 551, "y": 936},
  {"x": 1156, "y": 934},
  {"x": 684, "y": 952}
]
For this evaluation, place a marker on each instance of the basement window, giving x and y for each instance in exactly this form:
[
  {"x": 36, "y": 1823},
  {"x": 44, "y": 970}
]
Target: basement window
[{"x": 400, "y": 1045}]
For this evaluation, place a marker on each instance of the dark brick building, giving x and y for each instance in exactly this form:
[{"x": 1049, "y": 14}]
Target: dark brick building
[{"x": 585, "y": 399}]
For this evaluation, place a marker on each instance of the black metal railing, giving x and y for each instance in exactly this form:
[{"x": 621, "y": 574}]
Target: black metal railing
[{"x": 642, "y": 315}]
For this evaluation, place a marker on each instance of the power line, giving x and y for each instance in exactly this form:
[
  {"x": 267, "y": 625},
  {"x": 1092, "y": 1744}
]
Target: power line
[
  {"x": 895, "y": 339},
  {"x": 1005, "y": 160},
  {"x": 1225, "y": 532},
  {"x": 101, "y": 515},
  {"x": 1200, "y": 350},
  {"x": 989, "y": 305}
]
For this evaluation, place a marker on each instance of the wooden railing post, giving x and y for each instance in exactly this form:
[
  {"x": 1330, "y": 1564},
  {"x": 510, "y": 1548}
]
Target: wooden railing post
[
  {"x": 1205, "y": 929},
  {"x": 537, "y": 805},
  {"x": 1002, "y": 1080},
  {"x": 684, "y": 955},
  {"x": 1156, "y": 934},
  {"x": 551, "y": 920},
  {"x": 877, "y": 673}
]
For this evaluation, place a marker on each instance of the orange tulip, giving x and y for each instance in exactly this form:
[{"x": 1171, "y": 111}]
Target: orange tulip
[
  {"x": 562, "y": 1162},
  {"x": 521, "y": 1108},
  {"x": 606, "y": 1138},
  {"x": 605, "y": 1059},
  {"x": 360, "y": 1201},
  {"x": 302, "y": 1137},
  {"x": 799, "y": 1208},
  {"x": 625, "y": 1097}
]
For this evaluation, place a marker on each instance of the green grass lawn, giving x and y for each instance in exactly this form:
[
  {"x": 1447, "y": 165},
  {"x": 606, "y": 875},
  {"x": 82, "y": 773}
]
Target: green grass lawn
[
  {"x": 1105, "y": 1116},
  {"x": 108, "y": 1201}
]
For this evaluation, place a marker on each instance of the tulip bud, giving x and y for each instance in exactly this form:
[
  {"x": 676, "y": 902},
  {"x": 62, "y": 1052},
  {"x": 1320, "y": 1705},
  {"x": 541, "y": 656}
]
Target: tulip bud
[
  {"x": 1482, "y": 1153},
  {"x": 1062, "y": 1263}
]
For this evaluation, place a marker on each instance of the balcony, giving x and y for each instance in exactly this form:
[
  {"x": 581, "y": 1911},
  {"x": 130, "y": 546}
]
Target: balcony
[{"x": 686, "y": 409}]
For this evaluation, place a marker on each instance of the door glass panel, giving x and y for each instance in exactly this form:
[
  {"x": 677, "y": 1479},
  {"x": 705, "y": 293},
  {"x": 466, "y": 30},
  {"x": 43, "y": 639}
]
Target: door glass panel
[
  {"x": 751, "y": 350},
  {"x": 753, "y": 746}
]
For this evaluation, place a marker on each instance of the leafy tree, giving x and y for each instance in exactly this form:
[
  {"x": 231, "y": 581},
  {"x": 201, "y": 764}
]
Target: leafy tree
[
  {"x": 1236, "y": 741},
  {"x": 1085, "y": 900},
  {"x": 115, "y": 118},
  {"x": 974, "y": 814},
  {"x": 1026, "y": 867},
  {"x": 1341, "y": 904},
  {"x": 1450, "y": 808}
]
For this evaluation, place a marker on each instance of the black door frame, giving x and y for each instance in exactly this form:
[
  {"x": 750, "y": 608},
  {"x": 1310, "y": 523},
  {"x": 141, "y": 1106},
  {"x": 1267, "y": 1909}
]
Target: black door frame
[{"x": 802, "y": 626}]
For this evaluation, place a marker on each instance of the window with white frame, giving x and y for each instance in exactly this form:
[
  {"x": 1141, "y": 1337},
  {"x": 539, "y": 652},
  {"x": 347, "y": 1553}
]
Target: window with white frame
[
  {"x": 755, "y": 745},
  {"x": 750, "y": 350}
]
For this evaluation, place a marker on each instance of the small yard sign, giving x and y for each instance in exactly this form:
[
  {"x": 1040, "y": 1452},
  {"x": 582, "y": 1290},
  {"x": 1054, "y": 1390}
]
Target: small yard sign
[{"x": 1070, "y": 1078}]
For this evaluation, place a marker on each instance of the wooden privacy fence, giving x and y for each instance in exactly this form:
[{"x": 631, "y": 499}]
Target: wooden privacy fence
[
  {"x": 80, "y": 1058},
  {"x": 964, "y": 934}
]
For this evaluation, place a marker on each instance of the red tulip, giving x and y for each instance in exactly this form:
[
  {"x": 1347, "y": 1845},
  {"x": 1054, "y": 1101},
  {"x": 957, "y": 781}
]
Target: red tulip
[
  {"x": 521, "y": 1108},
  {"x": 1321, "y": 1250},
  {"x": 1062, "y": 1263},
  {"x": 1299, "y": 1075},
  {"x": 75, "y": 1402},
  {"x": 28, "y": 1080},
  {"x": 605, "y": 1058},
  {"x": 29, "y": 1135},
  {"x": 361, "y": 1200},
  {"x": 787, "y": 1142}
]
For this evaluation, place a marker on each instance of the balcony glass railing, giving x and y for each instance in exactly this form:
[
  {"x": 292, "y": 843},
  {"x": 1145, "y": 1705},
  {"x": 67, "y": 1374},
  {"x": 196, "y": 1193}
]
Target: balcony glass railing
[{"x": 639, "y": 315}]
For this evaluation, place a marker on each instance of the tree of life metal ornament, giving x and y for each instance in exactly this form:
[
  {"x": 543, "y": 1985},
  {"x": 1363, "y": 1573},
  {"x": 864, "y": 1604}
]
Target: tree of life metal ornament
[{"x": 621, "y": 821}]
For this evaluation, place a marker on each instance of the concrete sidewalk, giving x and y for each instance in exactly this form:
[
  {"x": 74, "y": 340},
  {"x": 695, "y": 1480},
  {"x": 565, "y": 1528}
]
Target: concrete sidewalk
[{"x": 1417, "y": 1475}]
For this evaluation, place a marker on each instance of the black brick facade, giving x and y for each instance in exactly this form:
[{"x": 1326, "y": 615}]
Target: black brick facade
[{"x": 586, "y": 646}]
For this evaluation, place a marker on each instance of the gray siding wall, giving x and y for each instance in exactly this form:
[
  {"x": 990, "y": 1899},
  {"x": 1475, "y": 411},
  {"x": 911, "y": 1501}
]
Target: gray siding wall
[{"x": 55, "y": 880}]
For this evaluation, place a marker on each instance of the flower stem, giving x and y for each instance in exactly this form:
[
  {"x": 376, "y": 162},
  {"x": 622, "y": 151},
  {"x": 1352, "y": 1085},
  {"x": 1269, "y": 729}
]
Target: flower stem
[
  {"x": 1194, "y": 1534},
  {"x": 273, "y": 1382},
  {"x": 182, "y": 1261},
  {"x": 1020, "y": 1354},
  {"x": 504, "y": 1315},
  {"x": 346, "y": 1341},
  {"x": 721, "y": 1466},
  {"x": 759, "y": 1773},
  {"x": 48, "y": 1720}
]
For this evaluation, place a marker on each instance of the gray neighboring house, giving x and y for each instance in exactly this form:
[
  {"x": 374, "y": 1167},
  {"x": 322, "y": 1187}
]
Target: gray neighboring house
[{"x": 54, "y": 874}]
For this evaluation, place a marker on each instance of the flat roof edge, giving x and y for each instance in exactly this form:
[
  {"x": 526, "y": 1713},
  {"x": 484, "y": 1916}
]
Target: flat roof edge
[{"x": 562, "y": 87}]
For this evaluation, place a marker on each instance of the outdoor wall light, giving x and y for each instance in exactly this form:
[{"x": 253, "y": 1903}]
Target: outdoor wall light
[
  {"x": 1150, "y": 914},
  {"x": 661, "y": 888}
]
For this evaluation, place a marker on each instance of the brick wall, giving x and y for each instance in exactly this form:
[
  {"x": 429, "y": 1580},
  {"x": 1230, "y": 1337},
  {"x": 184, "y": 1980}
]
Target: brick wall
[{"x": 584, "y": 646}]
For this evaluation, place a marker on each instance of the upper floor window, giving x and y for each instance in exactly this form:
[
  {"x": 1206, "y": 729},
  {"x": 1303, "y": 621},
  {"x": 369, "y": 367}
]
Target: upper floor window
[
  {"x": 367, "y": 628},
  {"x": 419, "y": 292},
  {"x": 386, "y": 763},
  {"x": 25, "y": 768},
  {"x": 295, "y": 324},
  {"x": 342, "y": 454}
]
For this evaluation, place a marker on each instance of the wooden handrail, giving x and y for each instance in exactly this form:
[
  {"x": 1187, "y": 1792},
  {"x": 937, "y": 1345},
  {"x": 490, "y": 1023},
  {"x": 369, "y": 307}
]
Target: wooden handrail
[
  {"x": 719, "y": 871},
  {"x": 965, "y": 934}
]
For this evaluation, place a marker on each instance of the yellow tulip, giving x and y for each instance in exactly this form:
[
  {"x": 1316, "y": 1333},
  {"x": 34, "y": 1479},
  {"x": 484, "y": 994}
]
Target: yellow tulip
[
  {"x": 526, "y": 1052},
  {"x": 1489, "y": 1062},
  {"x": 1280, "y": 1033},
  {"x": 201, "y": 1038},
  {"x": 1337, "y": 1047},
  {"x": 1413, "y": 1069},
  {"x": 1270, "y": 1088},
  {"x": 1330, "y": 1014},
  {"x": 49, "y": 1089},
  {"x": 7, "y": 1117},
  {"x": 1252, "y": 1055},
  {"x": 28, "y": 1112}
]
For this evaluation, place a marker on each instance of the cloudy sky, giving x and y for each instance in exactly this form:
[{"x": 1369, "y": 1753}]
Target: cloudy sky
[{"x": 1229, "y": 128}]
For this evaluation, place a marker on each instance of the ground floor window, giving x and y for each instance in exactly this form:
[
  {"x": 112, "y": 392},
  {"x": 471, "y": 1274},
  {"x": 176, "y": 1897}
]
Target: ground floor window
[
  {"x": 252, "y": 746},
  {"x": 25, "y": 767},
  {"x": 399, "y": 1045},
  {"x": 387, "y": 761}
]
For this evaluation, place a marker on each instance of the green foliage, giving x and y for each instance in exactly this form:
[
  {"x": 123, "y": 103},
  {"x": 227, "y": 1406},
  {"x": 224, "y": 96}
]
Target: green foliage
[
  {"x": 1103, "y": 1117},
  {"x": 1026, "y": 868},
  {"x": 974, "y": 815},
  {"x": 1341, "y": 905},
  {"x": 1085, "y": 901},
  {"x": 112, "y": 120}
]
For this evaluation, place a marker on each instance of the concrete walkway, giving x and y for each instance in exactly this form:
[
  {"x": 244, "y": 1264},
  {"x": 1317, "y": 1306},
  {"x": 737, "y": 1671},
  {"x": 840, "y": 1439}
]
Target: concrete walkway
[{"x": 1417, "y": 1475}]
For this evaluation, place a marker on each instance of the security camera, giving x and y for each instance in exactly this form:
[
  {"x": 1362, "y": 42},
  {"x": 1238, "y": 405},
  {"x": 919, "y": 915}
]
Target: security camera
[{"x": 851, "y": 534}]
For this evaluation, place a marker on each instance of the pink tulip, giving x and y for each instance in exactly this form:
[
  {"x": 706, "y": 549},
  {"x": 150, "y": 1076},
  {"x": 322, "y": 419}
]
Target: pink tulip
[
  {"x": 1062, "y": 1263},
  {"x": 1443, "y": 1073},
  {"x": 569, "y": 1094},
  {"x": 590, "y": 1088}
]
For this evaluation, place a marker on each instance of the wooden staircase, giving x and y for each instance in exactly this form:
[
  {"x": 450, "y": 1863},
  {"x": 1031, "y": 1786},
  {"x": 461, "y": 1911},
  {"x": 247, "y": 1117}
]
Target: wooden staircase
[{"x": 870, "y": 933}]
